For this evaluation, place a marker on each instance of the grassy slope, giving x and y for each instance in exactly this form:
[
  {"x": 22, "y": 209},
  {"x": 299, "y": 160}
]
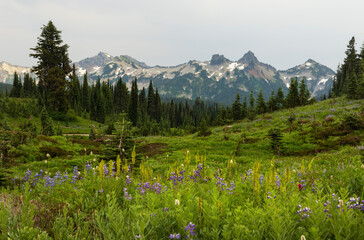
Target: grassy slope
[{"x": 218, "y": 150}]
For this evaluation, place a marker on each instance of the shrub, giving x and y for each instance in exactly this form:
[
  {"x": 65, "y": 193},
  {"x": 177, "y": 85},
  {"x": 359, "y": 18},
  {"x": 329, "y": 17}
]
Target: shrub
[
  {"x": 352, "y": 122},
  {"x": 54, "y": 151},
  {"x": 46, "y": 139},
  {"x": 350, "y": 140},
  {"x": 203, "y": 129},
  {"x": 275, "y": 135}
]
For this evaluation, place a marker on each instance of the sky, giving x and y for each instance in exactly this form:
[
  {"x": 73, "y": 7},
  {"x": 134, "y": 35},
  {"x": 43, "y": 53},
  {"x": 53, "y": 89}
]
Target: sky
[{"x": 282, "y": 33}]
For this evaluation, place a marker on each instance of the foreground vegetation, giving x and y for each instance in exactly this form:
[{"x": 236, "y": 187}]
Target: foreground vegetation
[{"x": 232, "y": 184}]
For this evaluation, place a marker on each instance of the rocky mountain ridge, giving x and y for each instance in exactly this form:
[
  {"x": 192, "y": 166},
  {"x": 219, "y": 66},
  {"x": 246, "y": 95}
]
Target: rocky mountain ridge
[{"x": 216, "y": 80}]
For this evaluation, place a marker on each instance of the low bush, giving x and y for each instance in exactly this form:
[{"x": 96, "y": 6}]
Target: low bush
[{"x": 54, "y": 151}]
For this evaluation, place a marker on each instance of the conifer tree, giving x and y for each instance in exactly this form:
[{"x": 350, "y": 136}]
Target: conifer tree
[
  {"x": 360, "y": 87},
  {"x": 272, "y": 103},
  {"x": 352, "y": 86},
  {"x": 107, "y": 97},
  {"x": 261, "y": 107},
  {"x": 244, "y": 108},
  {"x": 237, "y": 107},
  {"x": 53, "y": 67},
  {"x": 117, "y": 96},
  {"x": 251, "y": 100},
  {"x": 347, "y": 75},
  {"x": 179, "y": 114},
  {"x": 85, "y": 94},
  {"x": 75, "y": 90},
  {"x": 46, "y": 123},
  {"x": 93, "y": 99},
  {"x": 171, "y": 114},
  {"x": 280, "y": 98},
  {"x": 293, "y": 99},
  {"x": 17, "y": 86},
  {"x": 157, "y": 106},
  {"x": 124, "y": 97},
  {"x": 100, "y": 106},
  {"x": 151, "y": 101},
  {"x": 29, "y": 86},
  {"x": 133, "y": 106},
  {"x": 143, "y": 105},
  {"x": 251, "y": 110},
  {"x": 304, "y": 93}
]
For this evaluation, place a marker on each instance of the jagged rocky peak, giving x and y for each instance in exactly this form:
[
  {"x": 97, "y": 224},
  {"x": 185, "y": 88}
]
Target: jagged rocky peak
[
  {"x": 248, "y": 58},
  {"x": 310, "y": 62},
  {"x": 218, "y": 59},
  {"x": 99, "y": 60}
]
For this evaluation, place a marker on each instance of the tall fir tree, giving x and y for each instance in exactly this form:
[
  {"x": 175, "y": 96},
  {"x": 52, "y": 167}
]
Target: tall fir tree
[
  {"x": 261, "y": 106},
  {"x": 244, "y": 108},
  {"x": 133, "y": 106},
  {"x": 293, "y": 99},
  {"x": 280, "y": 98},
  {"x": 107, "y": 97},
  {"x": 75, "y": 90},
  {"x": 17, "y": 86},
  {"x": 346, "y": 81},
  {"x": 304, "y": 93},
  {"x": 237, "y": 107},
  {"x": 100, "y": 104},
  {"x": 29, "y": 86},
  {"x": 272, "y": 103},
  {"x": 151, "y": 101},
  {"x": 93, "y": 99},
  {"x": 157, "y": 106},
  {"x": 143, "y": 105},
  {"x": 117, "y": 96},
  {"x": 52, "y": 68},
  {"x": 85, "y": 94},
  {"x": 251, "y": 110}
]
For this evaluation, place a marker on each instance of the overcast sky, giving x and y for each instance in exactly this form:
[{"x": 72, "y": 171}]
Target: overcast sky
[{"x": 283, "y": 33}]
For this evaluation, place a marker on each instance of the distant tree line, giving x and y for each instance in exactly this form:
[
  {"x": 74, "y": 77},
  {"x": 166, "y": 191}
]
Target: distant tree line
[
  {"x": 350, "y": 75},
  {"x": 298, "y": 95}
]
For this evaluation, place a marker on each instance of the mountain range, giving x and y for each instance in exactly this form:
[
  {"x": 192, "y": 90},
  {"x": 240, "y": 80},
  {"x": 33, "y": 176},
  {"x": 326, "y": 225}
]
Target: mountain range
[{"x": 217, "y": 80}]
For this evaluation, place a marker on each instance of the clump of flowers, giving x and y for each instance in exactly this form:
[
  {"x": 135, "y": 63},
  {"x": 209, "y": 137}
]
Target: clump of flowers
[
  {"x": 174, "y": 236},
  {"x": 190, "y": 229},
  {"x": 127, "y": 196},
  {"x": 303, "y": 212}
]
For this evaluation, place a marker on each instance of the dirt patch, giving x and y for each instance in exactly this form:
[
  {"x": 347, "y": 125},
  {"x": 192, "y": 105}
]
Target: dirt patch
[{"x": 152, "y": 149}]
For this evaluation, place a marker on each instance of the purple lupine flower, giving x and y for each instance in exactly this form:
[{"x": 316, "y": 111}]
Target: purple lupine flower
[
  {"x": 190, "y": 228},
  {"x": 278, "y": 183},
  {"x": 27, "y": 176},
  {"x": 261, "y": 179},
  {"x": 128, "y": 180},
  {"x": 75, "y": 175},
  {"x": 88, "y": 166},
  {"x": 106, "y": 170},
  {"x": 157, "y": 187},
  {"x": 127, "y": 196}
]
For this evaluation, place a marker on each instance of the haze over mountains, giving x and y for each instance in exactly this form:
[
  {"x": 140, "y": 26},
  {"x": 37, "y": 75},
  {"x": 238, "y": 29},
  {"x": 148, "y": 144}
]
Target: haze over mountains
[{"x": 216, "y": 80}]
